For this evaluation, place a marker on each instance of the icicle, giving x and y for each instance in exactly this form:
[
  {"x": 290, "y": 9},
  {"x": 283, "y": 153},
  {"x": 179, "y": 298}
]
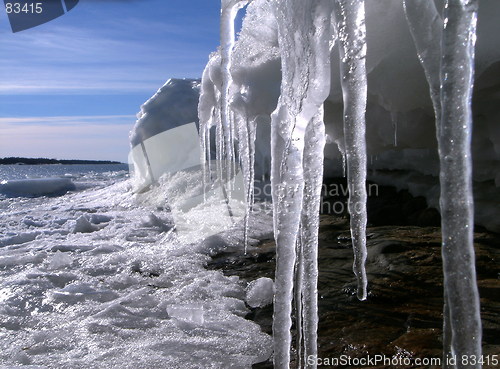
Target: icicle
[
  {"x": 313, "y": 175},
  {"x": 344, "y": 165},
  {"x": 305, "y": 56},
  {"x": 246, "y": 149},
  {"x": 233, "y": 140},
  {"x": 208, "y": 169},
  {"x": 350, "y": 17},
  {"x": 426, "y": 26},
  {"x": 204, "y": 161},
  {"x": 394, "y": 120},
  {"x": 229, "y": 9},
  {"x": 206, "y": 111},
  {"x": 298, "y": 281},
  {"x": 449, "y": 72},
  {"x": 246, "y": 133},
  {"x": 288, "y": 186},
  {"x": 456, "y": 201},
  {"x": 219, "y": 149}
]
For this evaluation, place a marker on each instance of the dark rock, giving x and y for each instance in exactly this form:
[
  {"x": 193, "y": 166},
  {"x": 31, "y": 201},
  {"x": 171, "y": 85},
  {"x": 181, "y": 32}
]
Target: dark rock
[{"x": 402, "y": 316}]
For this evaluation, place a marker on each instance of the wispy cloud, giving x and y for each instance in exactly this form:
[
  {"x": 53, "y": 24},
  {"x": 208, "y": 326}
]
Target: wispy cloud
[
  {"x": 93, "y": 51},
  {"x": 67, "y": 61}
]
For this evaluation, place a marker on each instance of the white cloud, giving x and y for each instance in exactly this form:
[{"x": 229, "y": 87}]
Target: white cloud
[{"x": 71, "y": 58}]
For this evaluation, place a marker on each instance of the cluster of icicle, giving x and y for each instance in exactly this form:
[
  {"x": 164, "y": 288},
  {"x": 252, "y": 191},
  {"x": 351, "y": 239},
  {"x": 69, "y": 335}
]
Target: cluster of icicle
[{"x": 307, "y": 31}]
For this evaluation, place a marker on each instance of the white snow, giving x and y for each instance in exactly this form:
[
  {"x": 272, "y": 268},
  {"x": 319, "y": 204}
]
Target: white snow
[{"x": 173, "y": 105}]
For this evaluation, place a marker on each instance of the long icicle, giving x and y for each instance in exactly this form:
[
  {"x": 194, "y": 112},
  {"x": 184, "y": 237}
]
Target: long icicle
[
  {"x": 426, "y": 26},
  {"x": 456, "y": 201},
  {"x": 246, "y": 149},
  {"x": 288, "y": 187},
  {"x": 298, "y": 286},
  {"x": 229, "y": 9},
  {"x": 350, "y": 19},
  {"x": 206, "y": 110},
  {"x": 305, "y": 56},
  {"x": 313, "y": 176}
]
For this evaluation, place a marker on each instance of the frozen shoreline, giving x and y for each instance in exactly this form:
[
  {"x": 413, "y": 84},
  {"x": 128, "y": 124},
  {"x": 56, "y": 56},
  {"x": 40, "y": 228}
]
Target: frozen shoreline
[{"x": 94, "y": 279}]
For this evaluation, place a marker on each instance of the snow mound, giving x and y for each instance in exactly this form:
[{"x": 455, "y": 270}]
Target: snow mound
[{"x": 174, "y": 105}]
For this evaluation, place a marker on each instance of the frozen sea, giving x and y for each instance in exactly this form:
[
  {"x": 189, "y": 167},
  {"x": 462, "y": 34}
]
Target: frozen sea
[{"x": 93, "y": 275}]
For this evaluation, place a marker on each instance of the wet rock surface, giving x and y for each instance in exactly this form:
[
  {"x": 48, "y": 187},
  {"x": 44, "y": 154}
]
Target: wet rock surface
[{"x": 402, "y": 317}]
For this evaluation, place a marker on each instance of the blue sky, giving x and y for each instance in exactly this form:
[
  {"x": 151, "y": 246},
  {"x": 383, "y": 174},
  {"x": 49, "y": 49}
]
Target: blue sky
[{"x": 71, "y": 88}]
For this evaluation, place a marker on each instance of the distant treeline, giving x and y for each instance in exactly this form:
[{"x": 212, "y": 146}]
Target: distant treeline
[{"x": 36, "y": 161}]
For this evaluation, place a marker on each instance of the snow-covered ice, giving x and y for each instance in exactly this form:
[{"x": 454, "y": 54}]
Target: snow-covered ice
[{"x": 97, "y": 279}]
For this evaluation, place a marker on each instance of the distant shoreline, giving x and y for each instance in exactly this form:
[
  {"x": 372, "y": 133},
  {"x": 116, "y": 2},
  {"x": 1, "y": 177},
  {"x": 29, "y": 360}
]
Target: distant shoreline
[{"x": 40, "y": 161}]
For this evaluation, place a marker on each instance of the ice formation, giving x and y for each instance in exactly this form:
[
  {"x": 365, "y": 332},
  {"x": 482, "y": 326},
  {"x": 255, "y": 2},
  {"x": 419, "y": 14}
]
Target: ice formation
[
  {"x": 284, "y": 70},
  {"x": 227, "y": 133},
  {"x": 451, "y": 93},
  {"x": 297, "y": 144},
  {"x": 462, "y": 326},
  {"x": 351, "y": 30},
  {"x": 166, "y": 125}
]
